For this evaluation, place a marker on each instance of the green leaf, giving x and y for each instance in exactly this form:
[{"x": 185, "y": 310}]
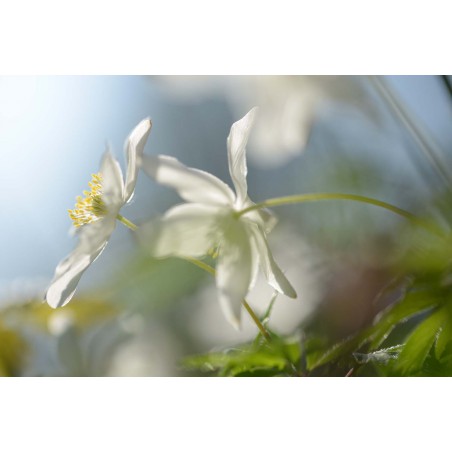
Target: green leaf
[
  {"x": 278, "y": 357},
  {"x": 419, "y": 343},
  {"x": 382, "y": 356},
  {"x": 412, "y": 304},
  {"x": 210, "y": 362},
  {"x": 319, "y": 358},
  {"x": 445, "y": 335}
]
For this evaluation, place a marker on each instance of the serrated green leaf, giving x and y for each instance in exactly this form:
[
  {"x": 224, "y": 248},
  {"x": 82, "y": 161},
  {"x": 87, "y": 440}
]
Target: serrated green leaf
[
  {"x": 264, "y": 359},
  {"x": 382, "y": 356},
  {"x": 293, "y": 351},
  {"x": 249, "y": 363},
  {"x": 210, "y": 362},
  {"x": 412, "y": 304},
  {"x": 419, "y": 343},
  {"x": 347, "y": 346},
  {"x": 265, "y": 372}
]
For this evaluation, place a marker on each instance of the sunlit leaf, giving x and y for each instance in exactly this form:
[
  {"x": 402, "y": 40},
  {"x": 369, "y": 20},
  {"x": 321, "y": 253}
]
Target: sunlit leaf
[
  {"x": 412, "y": 304},
  {"x": 345, "y": 347},
  {"x": 419, "y": 343},
  {"x": 269, "y": 359},
  {"x": 445, "y": 334}
]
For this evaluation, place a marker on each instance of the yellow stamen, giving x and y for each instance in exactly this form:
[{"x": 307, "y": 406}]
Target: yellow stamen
[{"x": 92, "y": 207}]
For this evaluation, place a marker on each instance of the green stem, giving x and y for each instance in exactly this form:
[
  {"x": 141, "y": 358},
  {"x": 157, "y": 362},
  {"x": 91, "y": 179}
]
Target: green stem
[
  {"x": 310, "y": 197},
  {"x": 250, "y": 311},
  {"x": 256, "y": 320},
  {"x": 126, "y": 222}
]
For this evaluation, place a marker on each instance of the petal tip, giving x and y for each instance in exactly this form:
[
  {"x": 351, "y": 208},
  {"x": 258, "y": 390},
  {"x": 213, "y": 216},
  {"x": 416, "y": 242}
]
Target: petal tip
[
  {"x": 55, "y": 303},
  {"x": 253, "y": 111},
  {"x": 141, "y": 131},
  {"x": 56, "y": 299},
  {"x": 250, "y": 116}
]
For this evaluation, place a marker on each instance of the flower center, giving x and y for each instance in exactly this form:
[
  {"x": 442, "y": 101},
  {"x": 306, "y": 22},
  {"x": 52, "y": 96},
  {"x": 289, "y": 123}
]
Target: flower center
[{"x": 90, "y": 208}]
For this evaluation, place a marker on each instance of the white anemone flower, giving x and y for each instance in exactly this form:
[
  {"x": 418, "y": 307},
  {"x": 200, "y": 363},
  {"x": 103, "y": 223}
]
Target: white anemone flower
[
  {"x": 95, "y": 216},
  {"x": 208, "y": 223}
]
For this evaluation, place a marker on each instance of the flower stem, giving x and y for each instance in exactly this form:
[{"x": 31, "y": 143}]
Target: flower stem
[
  {"x": 250, "y": 311},
  {"x": 126, "y": 222},
  {"x": 256, "y": 320},
  {"x": 310, "y": 197}
]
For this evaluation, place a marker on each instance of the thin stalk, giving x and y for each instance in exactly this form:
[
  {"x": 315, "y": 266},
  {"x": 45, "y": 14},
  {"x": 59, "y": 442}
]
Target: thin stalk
[
  {"x": 201, "y": 264},
  {"x": 311, "y": 197},
  {"x": 250, "y": 311},
  {"x": 126, "y": 222},
  {"x": 256, "y": 320}
]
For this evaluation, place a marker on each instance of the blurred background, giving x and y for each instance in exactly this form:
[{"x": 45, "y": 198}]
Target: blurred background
[{"x": 384, "y": 137}]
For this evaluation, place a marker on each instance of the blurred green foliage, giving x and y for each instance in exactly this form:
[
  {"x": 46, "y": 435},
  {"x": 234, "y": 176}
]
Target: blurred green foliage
[{"x": 12, "y": 352}]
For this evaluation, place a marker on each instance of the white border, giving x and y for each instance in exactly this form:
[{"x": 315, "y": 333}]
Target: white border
[
  {"x": 229, "y": 37},
  {"x": 256, "y": 414}
]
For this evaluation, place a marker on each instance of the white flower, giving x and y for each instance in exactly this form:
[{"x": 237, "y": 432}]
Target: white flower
[
  {"x": 209, "y": 221},
  {"x": 95, "y": 215}
]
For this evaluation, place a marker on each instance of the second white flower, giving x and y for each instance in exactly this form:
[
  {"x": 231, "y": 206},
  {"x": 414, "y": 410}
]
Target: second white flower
[{"x": 209, "y": 221}]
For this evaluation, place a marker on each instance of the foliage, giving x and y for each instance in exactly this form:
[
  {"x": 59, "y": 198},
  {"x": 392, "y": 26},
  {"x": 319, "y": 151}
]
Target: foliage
[
  {"x": 279, "y": 357},
  {"x": 412, "y": 336},
  {"x": 12, "y": 351}
]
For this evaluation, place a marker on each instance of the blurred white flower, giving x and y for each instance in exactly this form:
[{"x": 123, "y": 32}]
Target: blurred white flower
[
  {"x": 95, "y": 215},
  {"x": 288, "y": 106},
  {"x": 84, "y": 351},
  {"x": 208, "y": 222}
]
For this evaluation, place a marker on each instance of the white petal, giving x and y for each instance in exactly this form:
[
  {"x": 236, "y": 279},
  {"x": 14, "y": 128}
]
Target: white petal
[
  {"x": 254, "y": 265},
  {"x": 192, "y": 184},
  {"x": 263, "y": 217},
  {"x": 92, "y": 240},
  {"x": 112, "y": 183},
  {"x": 234, "y": 271},
  {"x": 134, "y": 148},
  {"x": 273, "y": 273},
  {"x": 237, "y": 140},
  {"x": 186, "y": 230}
]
